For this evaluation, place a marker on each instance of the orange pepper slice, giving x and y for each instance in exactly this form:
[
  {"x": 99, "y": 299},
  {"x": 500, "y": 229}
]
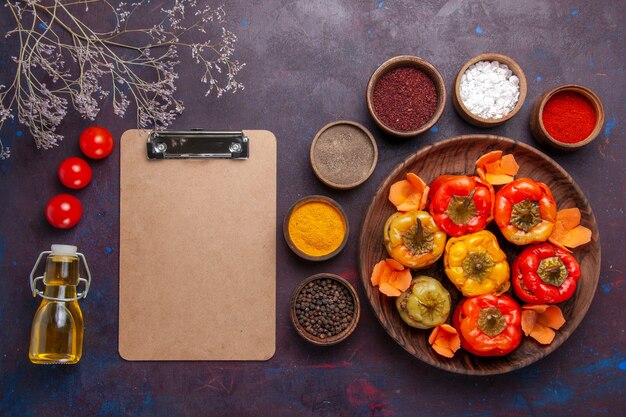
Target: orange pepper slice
[
  {"x": 445, "y": 340},
  {"x": 395, "y": 265},
  {"x": 410, "y": 194},
  {"x": 567, "y": 232},
  {"x": 496, "y": 168},
  {"x": 540, "y": 321},
  {"x": 391, "y": 277},
  {"x": 489, "y": 158}
]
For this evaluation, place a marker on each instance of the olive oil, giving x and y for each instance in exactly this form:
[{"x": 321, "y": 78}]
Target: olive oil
[{"x": 57, "y": 330}]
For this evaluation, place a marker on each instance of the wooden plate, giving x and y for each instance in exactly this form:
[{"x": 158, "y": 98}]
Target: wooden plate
[{"x": 457, "y": 156}]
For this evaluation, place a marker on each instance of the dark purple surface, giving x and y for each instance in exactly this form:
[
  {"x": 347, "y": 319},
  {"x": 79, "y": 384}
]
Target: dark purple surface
[{"x": 308, "y": 63}]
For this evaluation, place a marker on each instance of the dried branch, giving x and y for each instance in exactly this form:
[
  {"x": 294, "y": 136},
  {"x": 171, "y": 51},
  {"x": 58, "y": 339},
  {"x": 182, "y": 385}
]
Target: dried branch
[{"x": 64, "y": 62}]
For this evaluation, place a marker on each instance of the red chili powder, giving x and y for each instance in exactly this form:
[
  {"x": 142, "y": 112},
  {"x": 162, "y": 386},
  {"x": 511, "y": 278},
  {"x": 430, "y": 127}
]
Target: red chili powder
[
  {"x": 405, "y": 98},
  {"x": 569, "y": 117}
]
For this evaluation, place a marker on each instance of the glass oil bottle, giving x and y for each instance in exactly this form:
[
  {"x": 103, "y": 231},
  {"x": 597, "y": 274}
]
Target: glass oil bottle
[{"x": 57, "y": 330}]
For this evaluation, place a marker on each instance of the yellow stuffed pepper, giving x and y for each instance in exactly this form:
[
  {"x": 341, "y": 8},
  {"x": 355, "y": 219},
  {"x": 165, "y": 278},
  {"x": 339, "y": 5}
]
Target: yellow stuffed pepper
[
  {"x": 414, "y": 239},
  {"x": 476, "y": 264}
]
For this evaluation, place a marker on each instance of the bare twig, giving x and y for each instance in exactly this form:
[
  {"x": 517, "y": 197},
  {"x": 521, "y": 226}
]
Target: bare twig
[{"x": 63, "y": 62}]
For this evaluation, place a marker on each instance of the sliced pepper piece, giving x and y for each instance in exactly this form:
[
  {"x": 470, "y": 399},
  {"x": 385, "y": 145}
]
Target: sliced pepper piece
[
  {"x": 497, "y": 169},
  {"x": 445, "y": 340},
  {"x": 409, "y": 194},
  {"x": 568, "y": 233},
  {"x": 390, "y": 277},
  {"x": 540, "y": 321},
  {"x": 488, "y": 158}
]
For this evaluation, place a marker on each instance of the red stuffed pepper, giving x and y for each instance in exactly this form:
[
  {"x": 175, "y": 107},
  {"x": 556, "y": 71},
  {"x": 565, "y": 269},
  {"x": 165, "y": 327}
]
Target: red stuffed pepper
[
  {"x": 460, "y": 204},
  {"x": 525, "y": 211},
  {"x": 545, "y": 274},
  {"x": 489, "y": 325}
]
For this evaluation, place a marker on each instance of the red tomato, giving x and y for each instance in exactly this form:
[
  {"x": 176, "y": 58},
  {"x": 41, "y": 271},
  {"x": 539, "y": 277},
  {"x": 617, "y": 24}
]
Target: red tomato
[
  {"x": 63, "y": 211},
  {"x": 96, "y": 142},
  {"x": 74, "y": 173}
]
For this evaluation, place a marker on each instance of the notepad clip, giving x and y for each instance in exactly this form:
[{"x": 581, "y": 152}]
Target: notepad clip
[{"x": 197, "y": 144}]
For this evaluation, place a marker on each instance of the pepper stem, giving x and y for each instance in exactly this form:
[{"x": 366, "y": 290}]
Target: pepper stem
[
  {"x": 418, "y": 239},
  {"x": 477, "y": 265},
  {"x": 491, "y": 321},
  {"x": 420, "y": 230},
  {"x": 462, "y": 209},
  {"x": 525, "y": 215},
  {"x": 469, "y": 199},
  {"x": 552, "y": 271}
]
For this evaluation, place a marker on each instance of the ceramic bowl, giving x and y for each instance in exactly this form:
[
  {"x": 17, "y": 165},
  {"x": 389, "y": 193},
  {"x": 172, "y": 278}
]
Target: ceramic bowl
[
  {"x": 351, "y": 151},
  {"x": 422, "y": 65},
  {"x": 332, "y": 339},
  {"x": 536, "y": 120},
  {"x": 309, "y": 199},
  {"x": 480, "y": 121}
]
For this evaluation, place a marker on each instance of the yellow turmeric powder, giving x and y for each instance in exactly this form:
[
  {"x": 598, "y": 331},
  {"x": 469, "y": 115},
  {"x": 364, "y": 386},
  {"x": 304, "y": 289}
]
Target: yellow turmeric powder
[{"x": 316, "y": 228}]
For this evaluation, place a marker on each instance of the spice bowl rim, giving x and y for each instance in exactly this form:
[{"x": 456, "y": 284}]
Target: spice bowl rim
[
  {"x": 539, "y": 130},
  {"x": 358, "y": 126},
  {"x": 423, "y": 65},
  {"x": 339, "y": 336},
  {"x": 307, "y": 199},
  {"x": 515, "y": 68}
]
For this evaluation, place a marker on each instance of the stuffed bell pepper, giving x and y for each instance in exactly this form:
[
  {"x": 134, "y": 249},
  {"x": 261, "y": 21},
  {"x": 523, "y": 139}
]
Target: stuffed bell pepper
[
  {"x": 425, "y": 304},
  {"x": 461, "y": 204},
  {"x": 545, "y": 274},
  {"x": 476, "y": 265},
  {"x": 413, "y": 239},
  {"x": 525, "y": 211},
  {"x": 489, "y": 325}
]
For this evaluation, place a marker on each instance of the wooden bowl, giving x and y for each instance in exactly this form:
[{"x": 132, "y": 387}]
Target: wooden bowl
[
  {"x": 479, "y": 121},
  {"x": 338, "y": 337},
  {"x": 349, "y": 140},
  {"x": 308, "y": 199},
  {"x": 458, "y": 156},
  {"x": 536, "y": 120},
  {"x": 422, "y": 65}
]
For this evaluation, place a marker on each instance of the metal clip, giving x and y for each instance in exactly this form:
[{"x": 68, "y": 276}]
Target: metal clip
[
  {"x": 197, "y": 144},
  {"x": 79, "y": 295}
]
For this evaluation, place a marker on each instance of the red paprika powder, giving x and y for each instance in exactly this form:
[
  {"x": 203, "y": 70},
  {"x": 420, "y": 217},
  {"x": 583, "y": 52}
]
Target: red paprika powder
[
  {"x": 569, "y": 117},
  {"x": 405, "y": 98}
]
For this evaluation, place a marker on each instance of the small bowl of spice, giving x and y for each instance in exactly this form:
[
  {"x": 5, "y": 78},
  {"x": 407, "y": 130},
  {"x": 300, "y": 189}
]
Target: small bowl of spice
[
  {"x": 567, "y": 117},
  {"x": 325, "y": 309},
  {"x": 316, "y": 228},
  {"x": 343, "y": 154},
  {"x": 406, "y": 96},
  {"x": 489, "y": 89}
]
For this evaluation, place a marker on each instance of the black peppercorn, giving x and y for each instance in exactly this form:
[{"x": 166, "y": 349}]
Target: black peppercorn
[{"x": 332, "y": 308}]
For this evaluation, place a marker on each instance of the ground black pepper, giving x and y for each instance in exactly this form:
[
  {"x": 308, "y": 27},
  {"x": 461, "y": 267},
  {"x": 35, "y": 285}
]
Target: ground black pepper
[
  {"x": 405, "y": 98},
  {"x": 343, "y": 154},
  {"x": 324, "y": 308}
]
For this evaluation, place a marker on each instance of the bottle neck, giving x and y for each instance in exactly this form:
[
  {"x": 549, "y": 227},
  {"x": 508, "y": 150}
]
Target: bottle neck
[
  {"x": 61, "y": 270},
  {"x": 60, "y": 291},
  {"x": 61, "y": 277}
]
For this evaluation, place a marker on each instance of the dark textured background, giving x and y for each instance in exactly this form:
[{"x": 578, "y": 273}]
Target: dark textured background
[{"x": 308, "y": 63}]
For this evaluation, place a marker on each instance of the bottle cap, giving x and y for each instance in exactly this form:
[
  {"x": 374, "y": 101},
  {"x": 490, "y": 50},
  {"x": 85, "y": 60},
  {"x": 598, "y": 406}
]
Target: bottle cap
[{"x": 63, "y": 250}]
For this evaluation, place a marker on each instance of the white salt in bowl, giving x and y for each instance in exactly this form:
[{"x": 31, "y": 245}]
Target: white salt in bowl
[{"x": 477, "y": 120}]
